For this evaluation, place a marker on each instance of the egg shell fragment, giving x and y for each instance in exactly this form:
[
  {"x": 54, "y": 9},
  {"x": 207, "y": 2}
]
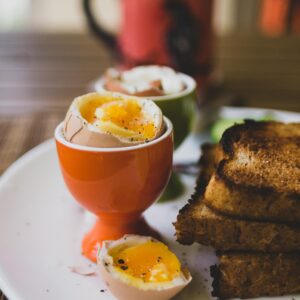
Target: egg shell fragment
[
  {"x": 78, "y": 131},
  {"x": 123, "y": 288}
]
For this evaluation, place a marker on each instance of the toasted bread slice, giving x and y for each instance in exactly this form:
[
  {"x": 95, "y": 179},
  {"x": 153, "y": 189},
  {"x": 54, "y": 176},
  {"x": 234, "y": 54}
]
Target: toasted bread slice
[
  {"x": 251, "y": 203},
  {"x": 256, "y": 275},
  {"x": 256, "y": 181},
  {"x": 198, "y": 223},
  {"x": 259, "y": 175},
  {"x": 262, "y": 155}
]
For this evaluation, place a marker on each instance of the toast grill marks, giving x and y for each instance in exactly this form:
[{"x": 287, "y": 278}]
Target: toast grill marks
[
  {"x": 248, "y": 275},
  {"x": 203, "y": 225}
]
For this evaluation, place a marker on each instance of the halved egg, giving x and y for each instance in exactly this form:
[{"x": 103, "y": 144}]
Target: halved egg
[
  {"x": 139, "y": 267},
  {"x": 112, "y": 120}
]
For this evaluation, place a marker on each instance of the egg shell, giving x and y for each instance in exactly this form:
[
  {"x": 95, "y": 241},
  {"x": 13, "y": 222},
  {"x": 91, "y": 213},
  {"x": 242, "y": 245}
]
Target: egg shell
[
  {"x": 116, "y": 86},
  {"x": 125, "y": 291},
  {"x": 112, "y": 79},
  {"x": 161, "y": 80},
  {"x": 77, "y": 131}
]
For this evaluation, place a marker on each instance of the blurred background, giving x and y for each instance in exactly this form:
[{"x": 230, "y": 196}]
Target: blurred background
[{"x": 51, "y": 51}]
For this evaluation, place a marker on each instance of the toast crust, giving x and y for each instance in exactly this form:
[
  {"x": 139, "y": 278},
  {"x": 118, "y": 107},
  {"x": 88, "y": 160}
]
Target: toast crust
[
  {"x": 247, "y": 206},
  {"x": 201, "y": 224},
  {"x": 258, "y": 177},
  {"x": 262, "y": 156},
  {"x": 256, "y": 275},
  {"x": 252, "y": 204}
]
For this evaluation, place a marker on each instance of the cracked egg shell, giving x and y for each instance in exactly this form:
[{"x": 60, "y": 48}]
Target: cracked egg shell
[
  {"x": 94, "y": 120},
  {"x": 133, "y": 287},
  {"x": 144, "y": 81}
]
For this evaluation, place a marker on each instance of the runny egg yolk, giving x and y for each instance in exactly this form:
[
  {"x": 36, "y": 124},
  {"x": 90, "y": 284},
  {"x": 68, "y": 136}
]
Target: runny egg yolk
[
  {"x": 151, "y": 262},
  {"x": 127, "y": 114},
  {"x": 88, "y": 108},
  {"x": 124, "y": 117}
]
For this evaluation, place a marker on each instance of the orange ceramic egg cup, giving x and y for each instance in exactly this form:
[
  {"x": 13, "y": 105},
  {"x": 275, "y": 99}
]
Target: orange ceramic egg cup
[{"x": 116, "y": 184}]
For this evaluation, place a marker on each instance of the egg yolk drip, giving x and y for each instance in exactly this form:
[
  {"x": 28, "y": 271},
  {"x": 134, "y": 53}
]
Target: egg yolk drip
[
  {"x": 151, "y": 262},
  {"x": 126, "y": 118}
]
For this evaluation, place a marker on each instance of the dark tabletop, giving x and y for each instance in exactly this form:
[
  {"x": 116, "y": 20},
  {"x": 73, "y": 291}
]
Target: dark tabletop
[{"x": 41, "y": 74}]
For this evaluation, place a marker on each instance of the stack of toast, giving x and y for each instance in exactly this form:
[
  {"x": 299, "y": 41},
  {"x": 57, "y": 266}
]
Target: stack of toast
[{"x": 247, "y": 206}]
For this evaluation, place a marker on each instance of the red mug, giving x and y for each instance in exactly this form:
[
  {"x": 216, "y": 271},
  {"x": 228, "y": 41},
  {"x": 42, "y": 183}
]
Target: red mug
[{"x": 176, "y": 33}]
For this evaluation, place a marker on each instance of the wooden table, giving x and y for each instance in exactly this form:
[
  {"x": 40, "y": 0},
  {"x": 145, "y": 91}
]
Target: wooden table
[
  {"x": 39, "y": 77},
  {"x": 41, "y": 74}
]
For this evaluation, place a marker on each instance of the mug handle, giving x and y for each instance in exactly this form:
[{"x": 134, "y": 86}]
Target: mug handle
[{"x": 107, "y": 38}]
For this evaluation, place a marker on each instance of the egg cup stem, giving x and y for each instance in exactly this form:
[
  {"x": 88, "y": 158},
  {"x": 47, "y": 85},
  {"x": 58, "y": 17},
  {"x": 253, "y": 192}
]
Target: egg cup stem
[{"x": 113, "y": 228}]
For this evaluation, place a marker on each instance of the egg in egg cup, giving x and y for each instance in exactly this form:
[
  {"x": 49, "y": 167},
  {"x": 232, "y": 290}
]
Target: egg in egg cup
[
  {"x": 178, "y": 106},
  {"x": 116, "y": 184}
]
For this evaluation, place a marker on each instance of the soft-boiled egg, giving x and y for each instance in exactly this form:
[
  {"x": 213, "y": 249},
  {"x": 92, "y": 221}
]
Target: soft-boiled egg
[
  {"x": 112, "y": 120},
  {"x": 144, "y": 81},
  {"x": 139, "y": 267}
]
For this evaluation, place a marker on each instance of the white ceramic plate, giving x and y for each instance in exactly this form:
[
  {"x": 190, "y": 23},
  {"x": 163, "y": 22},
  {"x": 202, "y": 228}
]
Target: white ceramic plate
[{"x": 41, "y": 227}]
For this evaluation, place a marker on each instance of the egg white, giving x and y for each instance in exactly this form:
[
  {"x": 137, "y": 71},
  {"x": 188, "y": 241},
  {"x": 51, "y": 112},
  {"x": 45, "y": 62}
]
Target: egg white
[
  {"x": 106, "y": 262},
  {"x": 79, "y": 131}
]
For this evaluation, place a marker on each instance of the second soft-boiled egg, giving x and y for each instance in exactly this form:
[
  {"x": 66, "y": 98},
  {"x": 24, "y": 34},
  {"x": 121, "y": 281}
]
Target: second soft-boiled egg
[
  {"x": 112, "y": 120},
  {"x": 138, "y": 267}
]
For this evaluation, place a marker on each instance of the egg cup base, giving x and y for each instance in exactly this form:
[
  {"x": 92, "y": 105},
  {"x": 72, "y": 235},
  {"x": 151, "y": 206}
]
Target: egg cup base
[{"x": 103, "y": 230}]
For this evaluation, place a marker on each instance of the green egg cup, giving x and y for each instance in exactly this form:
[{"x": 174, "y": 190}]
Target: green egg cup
[{"x": 180, "y": 109}]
